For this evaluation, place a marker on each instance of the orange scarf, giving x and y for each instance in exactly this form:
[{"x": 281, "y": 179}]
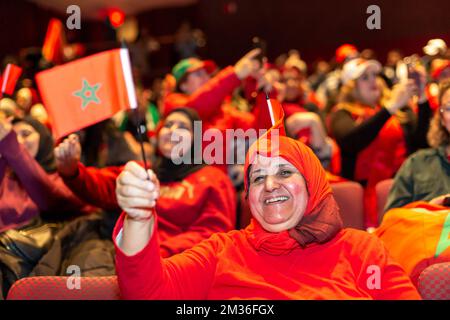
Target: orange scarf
[{"x": 321, "y": 221}]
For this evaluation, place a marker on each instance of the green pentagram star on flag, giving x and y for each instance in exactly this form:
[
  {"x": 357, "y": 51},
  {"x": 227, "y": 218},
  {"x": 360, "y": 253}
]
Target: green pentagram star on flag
[{"x": 88, "y": 93}]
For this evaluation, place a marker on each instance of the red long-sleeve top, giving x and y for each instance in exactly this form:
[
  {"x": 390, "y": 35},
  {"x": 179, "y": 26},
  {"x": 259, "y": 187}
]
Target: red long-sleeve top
[
  {"x": 227, "y": 266},
  {"x": 190, "y": 210},
  {"x": 26, "y": 190}
]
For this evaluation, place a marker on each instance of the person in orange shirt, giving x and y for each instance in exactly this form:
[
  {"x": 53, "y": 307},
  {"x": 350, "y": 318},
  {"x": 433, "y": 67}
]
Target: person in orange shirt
[{"x": 294, "y": 248}]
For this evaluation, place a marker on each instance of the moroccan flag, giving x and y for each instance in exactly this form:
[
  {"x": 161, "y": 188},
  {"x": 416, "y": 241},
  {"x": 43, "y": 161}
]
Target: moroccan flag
[
  {"x": 86, "y": 91},
  {"x": 54, "y": 42},
  {"x": 9, "y": 79}
]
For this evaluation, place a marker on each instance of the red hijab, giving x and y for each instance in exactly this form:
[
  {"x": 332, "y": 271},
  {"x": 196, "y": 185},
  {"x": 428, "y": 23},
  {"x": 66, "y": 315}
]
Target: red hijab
[{"x": 321, "y": 220}]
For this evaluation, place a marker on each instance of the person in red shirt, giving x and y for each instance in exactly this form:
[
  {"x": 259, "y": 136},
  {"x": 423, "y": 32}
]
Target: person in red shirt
[
  {"x": 195, "y": 201},
  {"x": 294, "y": 248}
]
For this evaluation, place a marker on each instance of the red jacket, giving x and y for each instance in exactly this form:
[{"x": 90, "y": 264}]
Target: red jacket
[
  {"x": 227, "y": 266},
  {"x": 190, "y": 211}
]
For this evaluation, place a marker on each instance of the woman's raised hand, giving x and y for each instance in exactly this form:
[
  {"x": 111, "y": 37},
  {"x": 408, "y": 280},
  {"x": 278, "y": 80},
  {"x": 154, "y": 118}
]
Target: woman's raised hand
[
  {"x": 68, "y": 155},
  {"x": 137, "y": 191},
  {"x": 401, "y": 93}
]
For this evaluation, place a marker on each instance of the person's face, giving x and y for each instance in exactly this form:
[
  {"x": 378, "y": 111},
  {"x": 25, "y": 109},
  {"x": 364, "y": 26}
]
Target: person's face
[
  {"x": 368, "y": 91},
  {"x": 176, "y": 132},
  {"x": 194, "y": 81},
  {"x": 277, "y": 194},
  {"x": 28, "y": 137},
  {"x": 445, "y": 109},
  {"x": 293, "y": 80},
  {"x": 393, "y": 57},
  {"x": 24, "y": 98}
]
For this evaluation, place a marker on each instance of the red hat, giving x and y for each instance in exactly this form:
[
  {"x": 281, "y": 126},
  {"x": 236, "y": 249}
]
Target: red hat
[{"x": 344, "y": 51}]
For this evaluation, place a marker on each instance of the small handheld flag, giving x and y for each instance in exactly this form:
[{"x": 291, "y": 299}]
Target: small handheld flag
[
  {"x": 9, "y": 79},
  {"x": 86, "y": 91},
  {"x": 269, "y": 105},
  {"x": 126, "y": 67}
]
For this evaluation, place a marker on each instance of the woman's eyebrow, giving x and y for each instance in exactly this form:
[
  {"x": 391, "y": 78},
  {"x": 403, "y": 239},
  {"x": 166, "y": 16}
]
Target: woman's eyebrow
[{"x": 255, "y": 171}]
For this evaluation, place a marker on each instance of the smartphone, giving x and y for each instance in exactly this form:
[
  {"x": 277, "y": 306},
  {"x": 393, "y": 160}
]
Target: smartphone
[
  {"x": 446, "y": 202},
  {"x": 258, "y": 43}
]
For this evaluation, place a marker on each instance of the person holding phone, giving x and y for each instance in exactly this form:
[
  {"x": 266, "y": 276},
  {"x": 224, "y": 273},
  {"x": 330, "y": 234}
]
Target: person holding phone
[
  {"x": 425, "y": 175},
  {"x": 376, "y": 128}
]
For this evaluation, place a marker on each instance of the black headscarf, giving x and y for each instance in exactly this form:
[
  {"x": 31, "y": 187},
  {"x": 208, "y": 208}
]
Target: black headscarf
[
  {"x": 44, "y": 156},
  {"x": 165, "y": 169}
]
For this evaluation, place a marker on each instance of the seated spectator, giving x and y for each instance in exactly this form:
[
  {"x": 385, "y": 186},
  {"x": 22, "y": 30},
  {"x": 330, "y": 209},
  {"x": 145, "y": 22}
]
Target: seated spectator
[
  {"x": 425, "y": 175},
  {"x": 375, "y": 133},
  {"x": 195, "y": 200},
  {"x": 295, "y": 224},
  {"x": 30, "y": 189}
]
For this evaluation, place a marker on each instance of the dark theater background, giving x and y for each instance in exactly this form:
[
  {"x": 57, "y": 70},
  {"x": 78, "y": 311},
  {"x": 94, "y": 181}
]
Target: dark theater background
[{"x": 315, "y": 28}]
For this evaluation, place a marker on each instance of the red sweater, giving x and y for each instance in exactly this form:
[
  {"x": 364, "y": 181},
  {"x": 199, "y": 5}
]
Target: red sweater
[
  {"x": 227, "y": 266},
  {"x": 190, "y": 211}
]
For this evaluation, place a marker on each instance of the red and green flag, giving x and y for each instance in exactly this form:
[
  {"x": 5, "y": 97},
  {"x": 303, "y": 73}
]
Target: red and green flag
[{"x": 86, "y": 91}]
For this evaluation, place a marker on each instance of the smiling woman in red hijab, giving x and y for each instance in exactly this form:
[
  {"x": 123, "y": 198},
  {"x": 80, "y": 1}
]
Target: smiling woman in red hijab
[{"x": 295, "y": 247}]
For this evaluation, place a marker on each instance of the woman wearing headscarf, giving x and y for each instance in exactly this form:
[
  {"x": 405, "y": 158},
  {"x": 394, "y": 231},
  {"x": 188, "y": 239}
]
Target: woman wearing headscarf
[
  {"x": 30, "y": 188},
  {"x": 196, "y": 200},
  {"x": 374, "y": 129},
  {"x": 294, "y": 248},
  {"x": 29, "y": 184}
]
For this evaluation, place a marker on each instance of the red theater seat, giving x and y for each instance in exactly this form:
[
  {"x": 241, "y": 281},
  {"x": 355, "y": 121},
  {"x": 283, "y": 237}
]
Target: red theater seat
[
  {"x": 349, "y": 197},
  {"x": 382, "y": 190},
  {"x": 434, "y": 282},
  {"x": 56, "y": 288}
]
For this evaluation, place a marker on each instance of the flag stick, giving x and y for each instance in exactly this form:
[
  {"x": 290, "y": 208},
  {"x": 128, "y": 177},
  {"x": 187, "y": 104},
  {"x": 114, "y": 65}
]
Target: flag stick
[
  {"x": 126, "y": 66},
  {"x": 269, "y": 106}
]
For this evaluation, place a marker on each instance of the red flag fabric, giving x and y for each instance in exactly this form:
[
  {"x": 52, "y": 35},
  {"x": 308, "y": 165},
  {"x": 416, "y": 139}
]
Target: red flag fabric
[
  {"x": 52, "y": 50},
  {"x": 9, "y": 78},
  {"x": 86, "y": 91},
  {"x": 271, "y": 116},
  {"x": 263, "y": 114}
]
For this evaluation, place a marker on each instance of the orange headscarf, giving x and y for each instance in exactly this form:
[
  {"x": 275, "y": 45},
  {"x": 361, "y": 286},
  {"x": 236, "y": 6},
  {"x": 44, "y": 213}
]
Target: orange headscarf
[{"x": 321, "y": 220}]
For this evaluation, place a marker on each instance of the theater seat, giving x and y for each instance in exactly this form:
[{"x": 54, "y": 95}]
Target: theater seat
[
  {"x": 56, "y": 288},
  {"x": 382, "y": 190},
  {"x": 434, "y": 282},
  {"x": 349, "y": 197}
]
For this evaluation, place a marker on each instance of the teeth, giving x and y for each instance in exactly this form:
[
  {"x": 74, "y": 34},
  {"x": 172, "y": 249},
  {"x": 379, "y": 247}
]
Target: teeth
[{"x": 276, "y": 199}]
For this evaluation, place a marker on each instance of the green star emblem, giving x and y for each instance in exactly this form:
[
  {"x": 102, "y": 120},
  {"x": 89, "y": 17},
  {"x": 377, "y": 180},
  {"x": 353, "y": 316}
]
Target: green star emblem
[{"x": 88, "y": 94}]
